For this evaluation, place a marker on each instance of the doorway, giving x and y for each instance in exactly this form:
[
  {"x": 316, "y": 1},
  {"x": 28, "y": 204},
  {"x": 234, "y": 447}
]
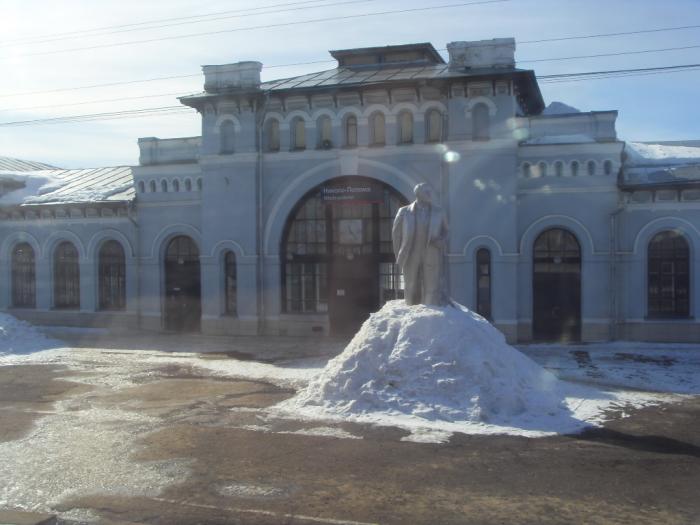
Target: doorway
[
  {"x": 556, "y": 284},
  {"x": 183, "y": 306},
  {"x": 337, "y": 255}
]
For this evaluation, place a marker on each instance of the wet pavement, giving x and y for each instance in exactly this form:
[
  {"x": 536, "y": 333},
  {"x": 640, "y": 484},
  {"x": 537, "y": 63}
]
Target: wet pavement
[{"x": 120, "y": 433}]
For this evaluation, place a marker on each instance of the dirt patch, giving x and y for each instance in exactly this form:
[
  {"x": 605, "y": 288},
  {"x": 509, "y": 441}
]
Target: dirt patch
[{"x": 27, "y": 392}]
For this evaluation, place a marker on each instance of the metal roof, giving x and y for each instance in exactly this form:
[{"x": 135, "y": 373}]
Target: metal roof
[
  {"x": 86, "y": 185},
  {"x": 368, "y": 75},
  {"x": 660, "y": 176},
  {"x": 11, "y": 164}
]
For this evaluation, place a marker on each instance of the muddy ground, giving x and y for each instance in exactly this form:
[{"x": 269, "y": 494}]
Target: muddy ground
[{"x": 230, "y": 465}]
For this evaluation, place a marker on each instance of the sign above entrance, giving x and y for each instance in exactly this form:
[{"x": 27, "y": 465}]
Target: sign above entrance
[{"x": 351, "y": 191}]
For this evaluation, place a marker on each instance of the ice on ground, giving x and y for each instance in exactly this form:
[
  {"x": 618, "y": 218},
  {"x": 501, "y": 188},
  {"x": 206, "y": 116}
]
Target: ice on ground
[
  {"x": 425, "y": 367},
  {"x": 639, "y": 154}
]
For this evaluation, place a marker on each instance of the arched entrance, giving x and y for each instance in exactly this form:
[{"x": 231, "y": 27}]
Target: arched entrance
[
  {"x": 337, "y": 255},
  {"x": 556, "y": 287},
  {"x": 183, "y": 306}
]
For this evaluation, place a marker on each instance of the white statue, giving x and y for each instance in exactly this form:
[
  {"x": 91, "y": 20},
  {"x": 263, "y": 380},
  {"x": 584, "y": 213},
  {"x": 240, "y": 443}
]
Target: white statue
[{"x": 419, "y": 234}]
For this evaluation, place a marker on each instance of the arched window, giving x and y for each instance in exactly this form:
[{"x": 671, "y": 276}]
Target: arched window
[
  {"x": 176, "y": 185},
  {"x": 405, "y": 127},
  {"x": 23, "y": 276},
  {"x": 188, "y": 184},
  {"x": 590, "y": 167},
  {"x": 230, "y": 284},
  {"x": 227, "y": 135},
  {"x": 668, "y": 276},
  {"x": 574, "y": 168},
  {"x": 164, "y": 186},
  {"x": 112, "y": 276},
  {"x": 483, "y": 283},
  {"x": 152, "y": 186},
  {"x": 66, "y": 276},
  {"x": 434, "y": 123},
  {"x": 481, "y": 122},
  {"x": 542, "y": 169},
  {"x": 527, "y": 170},
  {"x": 607, "y": 167},
  {"x": 325, "y": 132},
  {"x": 273, "y": 135},
  {"x": 199, "y": 184},
  {"x": 142, "y": 187},
  {"x": 559, "y": 168},
  {"x": 377, "y": 129},
  {"x": 351, "y": 131},
  {"x": 298, "y": 134}
]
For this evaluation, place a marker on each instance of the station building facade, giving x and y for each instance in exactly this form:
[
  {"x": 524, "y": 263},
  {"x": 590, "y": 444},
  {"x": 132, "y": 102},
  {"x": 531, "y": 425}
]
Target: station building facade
[{"x": 277, "y": 220}]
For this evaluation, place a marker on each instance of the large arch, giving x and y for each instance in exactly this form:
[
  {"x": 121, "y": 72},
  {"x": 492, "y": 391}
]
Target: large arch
[
  {"x": 336, "y": 254},
  {"x": 291, "y": 194}
]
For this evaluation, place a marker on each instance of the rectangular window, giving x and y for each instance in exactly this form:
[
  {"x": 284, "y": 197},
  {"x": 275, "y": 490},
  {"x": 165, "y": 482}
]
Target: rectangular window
[{"x": 306, "y": 287}]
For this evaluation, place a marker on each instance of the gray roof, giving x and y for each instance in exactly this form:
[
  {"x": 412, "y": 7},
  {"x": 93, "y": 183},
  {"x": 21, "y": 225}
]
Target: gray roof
[
  {"x": 83, "y": 185},
  {"x": 11, "y": 164},
  {"x": 369, "y": 75}
]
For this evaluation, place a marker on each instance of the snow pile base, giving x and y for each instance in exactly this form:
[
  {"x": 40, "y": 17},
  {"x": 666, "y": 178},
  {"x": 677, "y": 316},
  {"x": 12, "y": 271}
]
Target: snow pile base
[
  {"x": 19, "y": 337},
  {"x": 435, "y": 363}
]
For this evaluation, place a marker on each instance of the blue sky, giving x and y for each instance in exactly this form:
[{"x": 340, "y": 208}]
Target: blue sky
[{"x": 653, "y": 107}]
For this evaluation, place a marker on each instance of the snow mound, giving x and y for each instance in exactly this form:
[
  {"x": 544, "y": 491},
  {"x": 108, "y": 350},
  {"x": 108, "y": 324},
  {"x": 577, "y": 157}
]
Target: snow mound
[
  {"x": 436, "y": 363},
  {"x": 20, "y": 337}
]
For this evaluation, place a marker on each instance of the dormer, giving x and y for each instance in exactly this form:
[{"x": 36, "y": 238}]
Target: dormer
[{"x": 422, "y": 54}]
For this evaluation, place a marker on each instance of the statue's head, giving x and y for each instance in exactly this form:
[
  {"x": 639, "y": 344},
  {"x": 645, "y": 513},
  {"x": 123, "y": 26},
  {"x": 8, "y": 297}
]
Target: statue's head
[{"x": 423, "y": 193}]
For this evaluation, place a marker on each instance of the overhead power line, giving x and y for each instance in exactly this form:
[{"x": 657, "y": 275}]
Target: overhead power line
[
  {"x": 165, "y": 110},
  {"x": 212, "y": 19},
  {"x": 85, "y": 32},
  {"x": 619, "y": 53},
  {"x": 264, "y": 26}
]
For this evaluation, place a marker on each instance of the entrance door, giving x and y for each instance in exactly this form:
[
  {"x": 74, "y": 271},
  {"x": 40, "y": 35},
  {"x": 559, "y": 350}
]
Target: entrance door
[
  {"x": 354, "y": 292},
  {"x": 182, "y": 286},
  {"x": 556, "y": 285},
  {"x": 336, "y": 250}
]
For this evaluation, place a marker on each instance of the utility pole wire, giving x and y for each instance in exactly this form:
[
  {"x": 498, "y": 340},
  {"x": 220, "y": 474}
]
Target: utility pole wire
[
  {"x": 545, "y": 79},
  {"x": 238, "y": 15},
  {"x": 266, "y": 26}
]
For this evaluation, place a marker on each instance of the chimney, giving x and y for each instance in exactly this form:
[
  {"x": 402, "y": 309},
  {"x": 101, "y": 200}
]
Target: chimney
[
  {"x": 241, "y": 75},
  {"x": 480, "y": 54}
]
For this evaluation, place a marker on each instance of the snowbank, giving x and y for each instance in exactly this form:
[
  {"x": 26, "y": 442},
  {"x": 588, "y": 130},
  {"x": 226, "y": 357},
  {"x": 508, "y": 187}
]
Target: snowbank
[
  {"x": 659, "y": 154},
  {"x": 36, "y": 183},
  {"x": 442, "y": 368},
  {"x": 21, "y": 338}
]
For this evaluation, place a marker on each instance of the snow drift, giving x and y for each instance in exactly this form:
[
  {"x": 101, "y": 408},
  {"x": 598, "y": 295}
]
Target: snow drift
[
  {"x": 435, "y": 363},
  {"x": 19, "y": 337}
]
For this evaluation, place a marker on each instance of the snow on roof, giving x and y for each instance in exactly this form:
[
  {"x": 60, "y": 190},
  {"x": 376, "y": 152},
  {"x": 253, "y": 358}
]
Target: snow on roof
[
  {"x": 641, "y": 154},
  {"x": 12, "y": 164},
  {"x": 64, "y": 186}
]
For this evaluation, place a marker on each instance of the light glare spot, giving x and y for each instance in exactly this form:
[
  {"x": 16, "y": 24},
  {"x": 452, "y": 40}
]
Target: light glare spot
[{"x": 451, "y": 156}]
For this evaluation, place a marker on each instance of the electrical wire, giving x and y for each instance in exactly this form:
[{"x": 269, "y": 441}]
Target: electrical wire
[
  {"x": 264, "y": 26},
  {"x": 544, "y": 79},
  {"x": 39, "y": 39}
]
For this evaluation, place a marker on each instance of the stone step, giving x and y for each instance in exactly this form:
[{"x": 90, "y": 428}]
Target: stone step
[{"x": 20, "y": 517}]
